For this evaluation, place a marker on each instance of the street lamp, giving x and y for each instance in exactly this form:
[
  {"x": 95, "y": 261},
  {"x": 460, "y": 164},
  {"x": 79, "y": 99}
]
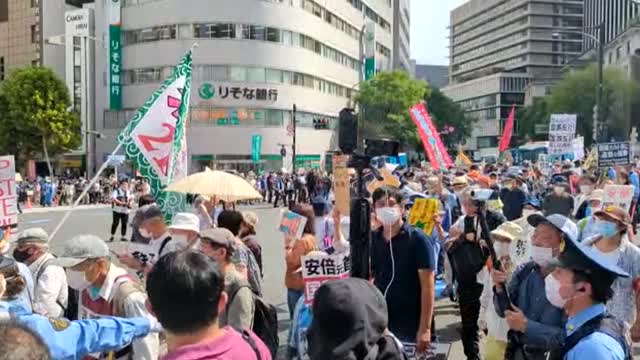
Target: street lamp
[
  {"x": 597, "y": 118},
  {"x": 61, "y": 40}
]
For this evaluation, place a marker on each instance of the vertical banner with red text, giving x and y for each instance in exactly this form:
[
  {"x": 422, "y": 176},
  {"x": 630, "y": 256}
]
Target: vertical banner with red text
[{"x": 8, "y": 194}]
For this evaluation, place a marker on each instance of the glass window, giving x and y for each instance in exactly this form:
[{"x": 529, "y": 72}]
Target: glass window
[
  {"x": 298, "y": 79},
  {"x": 273, "y": 117},
  {"x": 220, "y": 73},
  {"x": 273, "y": 35},
  {"x": 246, "y": 32},
  {"x": 297, "y": 39},
  {"x": 308, "y": 81},
  {"x": 286, "y": 77},
  {"x": 255, "y": 75},
  {"x": 258, "y": 33},
  {"x": 309, "y": 43},
  {"x": 238, "y": 73},
  {"x": 286, "y": 37},
  {"x": 274, "y": 76}
]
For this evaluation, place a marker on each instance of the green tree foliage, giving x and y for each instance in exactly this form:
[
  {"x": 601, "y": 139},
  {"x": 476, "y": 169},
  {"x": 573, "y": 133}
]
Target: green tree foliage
[
  {"x": 445, "y": 112},
  {"x": 386, "y": 99},
  {"x": 530, "y": 116},
  {"x": 35, "y": 103},
  {"x": 576, "y": 94}
]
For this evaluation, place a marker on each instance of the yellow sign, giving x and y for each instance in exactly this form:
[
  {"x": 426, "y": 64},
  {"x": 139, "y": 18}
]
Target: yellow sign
[
  {"x": 422, "y": 214},
  {"x": 341, "y": 184},
  {"x": 387, "y": 179},
  {"x": 71, "y": 163}
]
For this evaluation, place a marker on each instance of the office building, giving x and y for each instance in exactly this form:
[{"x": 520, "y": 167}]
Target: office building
[
  {"x": 435, "y": 75},
  {"x": 256, "y": 59},
  {"x": 401, "y": 35},
  {"x": 617, "y": 16},
  {"x": 500, "y": 48}
]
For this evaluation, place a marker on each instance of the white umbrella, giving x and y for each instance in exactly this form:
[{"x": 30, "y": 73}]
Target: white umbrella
[{"x": 221, "y": 184}]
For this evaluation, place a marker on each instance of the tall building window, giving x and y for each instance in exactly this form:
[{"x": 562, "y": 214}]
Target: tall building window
[
  {"x": 4, "y": 10},
  {"x": 34, "y": 34},
  {"x": 1, "y": 68}
]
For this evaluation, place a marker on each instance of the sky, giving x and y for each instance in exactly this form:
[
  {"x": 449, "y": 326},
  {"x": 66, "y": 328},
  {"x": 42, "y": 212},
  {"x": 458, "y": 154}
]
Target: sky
[{"x": 429, "y": 33}]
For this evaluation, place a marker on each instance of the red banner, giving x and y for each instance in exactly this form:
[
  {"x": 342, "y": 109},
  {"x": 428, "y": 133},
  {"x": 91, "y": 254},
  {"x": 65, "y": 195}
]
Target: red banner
[
  {"x": 508, "y": 130},
  {"x": 433, "y": 146}
]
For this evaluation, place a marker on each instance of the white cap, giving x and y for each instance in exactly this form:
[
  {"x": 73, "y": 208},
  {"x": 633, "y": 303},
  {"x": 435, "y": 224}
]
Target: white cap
[
  {"x": 185, "y": 221},
  {"x": 81, "y": 248},
  {"x": 33, "y": 235}
]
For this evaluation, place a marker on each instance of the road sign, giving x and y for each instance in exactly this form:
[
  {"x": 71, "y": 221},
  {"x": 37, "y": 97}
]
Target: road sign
[
  {"x": 256, "y": 146},
  {"x": 613, "y": 154},
  {"x": 541, "y": 129}
]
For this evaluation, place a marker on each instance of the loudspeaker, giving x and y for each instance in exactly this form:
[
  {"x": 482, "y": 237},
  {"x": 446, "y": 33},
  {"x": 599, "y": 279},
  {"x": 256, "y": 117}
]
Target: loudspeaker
[{"x": 348, "y": 131}]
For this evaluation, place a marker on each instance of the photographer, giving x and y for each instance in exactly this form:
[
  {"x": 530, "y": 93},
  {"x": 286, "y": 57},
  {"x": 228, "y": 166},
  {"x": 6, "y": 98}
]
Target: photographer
[
  {"x": 121, "y": 200},
  {"x": 468, "y": 254}
]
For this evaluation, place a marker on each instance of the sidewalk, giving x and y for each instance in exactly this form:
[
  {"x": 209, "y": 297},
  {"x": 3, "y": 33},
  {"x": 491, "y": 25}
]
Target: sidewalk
[{"x": 38, "y": 210}]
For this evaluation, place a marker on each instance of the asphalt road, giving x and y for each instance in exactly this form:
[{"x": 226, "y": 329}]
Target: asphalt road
[{"x": 97, "y": 221}]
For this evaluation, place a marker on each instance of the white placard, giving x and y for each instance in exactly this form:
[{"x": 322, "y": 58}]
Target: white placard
[
  {"x": 618, "y": 195},
  {"x": 562, "y": 131}
]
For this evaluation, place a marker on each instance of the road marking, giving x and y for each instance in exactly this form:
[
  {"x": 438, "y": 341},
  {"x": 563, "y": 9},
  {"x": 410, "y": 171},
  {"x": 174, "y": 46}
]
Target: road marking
[{"x": 37, "y": 221}]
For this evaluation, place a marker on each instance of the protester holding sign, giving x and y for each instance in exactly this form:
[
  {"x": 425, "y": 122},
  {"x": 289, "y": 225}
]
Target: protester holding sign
[{"x": 295, "y": 249}]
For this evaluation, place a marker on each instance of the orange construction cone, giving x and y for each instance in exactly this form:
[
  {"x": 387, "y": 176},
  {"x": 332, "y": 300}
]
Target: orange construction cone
[{"x": 28, "y": 205}]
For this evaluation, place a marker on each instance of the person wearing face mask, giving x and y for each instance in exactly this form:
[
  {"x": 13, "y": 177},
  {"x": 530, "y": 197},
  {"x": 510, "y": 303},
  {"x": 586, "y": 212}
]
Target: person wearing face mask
[
  {"x": 154, "y": 228},
  {"x": 586, "y": 226},
  {"x": 586, "y": 186},
  {"x": 504, "y": 237},
  {"x": 613, "y": 244},
  {"x": 184, "y": 230},
  {"x": 513, "y": 198},
  {"x": 26, "y": 296},
  {"x": 468, "y": 255},
  {"x": 559, "y": 201},
  {"x": 121, "y": 202},
  {"x": 460, "y": 183},
  {"x": 581, "y": 285},
  {"x": 106, "y": 290},
  {"x": 535, "y": 324},
  {"x": 50, "y": 291},
  {"x": 403, "y": 267}
]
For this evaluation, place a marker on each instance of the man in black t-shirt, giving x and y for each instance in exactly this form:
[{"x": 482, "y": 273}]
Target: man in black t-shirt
[{"x": 403, "y": 264}]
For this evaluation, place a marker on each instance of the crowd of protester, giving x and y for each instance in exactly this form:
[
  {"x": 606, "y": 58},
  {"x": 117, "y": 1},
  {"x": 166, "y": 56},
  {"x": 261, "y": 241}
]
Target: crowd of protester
[{"x": 539, "y": 264}]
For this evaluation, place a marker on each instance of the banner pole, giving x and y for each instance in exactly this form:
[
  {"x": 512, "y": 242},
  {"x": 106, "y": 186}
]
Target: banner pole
[{"x": 84, "y": 193}]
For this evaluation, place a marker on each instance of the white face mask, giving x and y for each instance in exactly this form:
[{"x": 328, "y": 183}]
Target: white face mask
[
  {"x": 144, "y": 233},
  {"x": 181, "y": 241},
  {"x": 558, "y": 190},
  {"x": 541, "y": 255},
  {"x": 502, "y": 249},
  {"x": 552, "y": 291},
  {"x": 76, "y": 280},
  {"x": 388, "y": 216}
]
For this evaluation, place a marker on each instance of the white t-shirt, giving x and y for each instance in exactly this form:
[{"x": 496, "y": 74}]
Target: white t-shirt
[{"x": 122, "y": 195}]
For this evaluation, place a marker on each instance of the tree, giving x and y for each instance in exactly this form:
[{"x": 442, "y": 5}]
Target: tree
[
  {"x": 445, "y": 112},
  {"x": 385, "y": 100},
  {"x": 576, "y": 93},
  {"x": 36, "y": 118},
  {"x": 530, "y": 116}
]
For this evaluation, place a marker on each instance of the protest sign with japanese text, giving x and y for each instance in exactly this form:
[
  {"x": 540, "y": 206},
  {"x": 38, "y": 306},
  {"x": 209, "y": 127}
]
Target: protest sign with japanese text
[
  {"x": 562, "y": 131},
  {"x": 618, "y": 195},
  {"x": 8, "y": 194},
  {"x": 613, "y": 154},
  {"x": 341, "y": 184},
  {"x": 292, "y": 224},
  {"x": 318, "y": 269},
  {"x": 422, "y": 214}
]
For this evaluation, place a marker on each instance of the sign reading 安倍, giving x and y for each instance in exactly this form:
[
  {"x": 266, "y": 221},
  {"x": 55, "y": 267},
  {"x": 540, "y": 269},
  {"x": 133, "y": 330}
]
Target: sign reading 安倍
[
  {"x": 613, "y": 154},
  {"x": 209, "y": 91}
]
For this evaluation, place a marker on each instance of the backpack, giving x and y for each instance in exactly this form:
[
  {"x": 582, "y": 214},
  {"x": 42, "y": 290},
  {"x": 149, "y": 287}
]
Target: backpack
[
  {"x": 265, "y": 320},
  {"x": 70, "y": 312}
]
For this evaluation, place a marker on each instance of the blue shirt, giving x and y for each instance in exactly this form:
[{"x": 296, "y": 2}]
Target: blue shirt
[
  {"x": 595, "y": 346},
  {"x": 25, "y": 298},
  {"x": 635, "y": 181},
  {"x": 74, "y": 339},
  {"x": 544, "y": 330}
]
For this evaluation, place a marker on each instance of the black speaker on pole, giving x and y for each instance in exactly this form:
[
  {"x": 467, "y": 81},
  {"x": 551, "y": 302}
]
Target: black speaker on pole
[{"x": 348, "y": 131}]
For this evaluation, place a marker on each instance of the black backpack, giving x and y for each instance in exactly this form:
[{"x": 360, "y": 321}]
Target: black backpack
[
  {"x": 73, "y": 297},
  {"x": 265, "y": 320}
]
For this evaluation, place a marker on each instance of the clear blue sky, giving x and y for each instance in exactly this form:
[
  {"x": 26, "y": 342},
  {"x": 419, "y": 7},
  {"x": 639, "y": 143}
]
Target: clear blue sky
[{"x": 429, "y": 33}]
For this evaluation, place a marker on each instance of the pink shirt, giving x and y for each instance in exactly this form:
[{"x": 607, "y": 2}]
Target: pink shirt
[{"x": 230, "y": 346}]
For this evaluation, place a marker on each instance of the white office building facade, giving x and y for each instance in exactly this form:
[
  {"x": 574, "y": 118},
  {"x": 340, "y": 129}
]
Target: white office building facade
[{"x": 256, "y": 59}]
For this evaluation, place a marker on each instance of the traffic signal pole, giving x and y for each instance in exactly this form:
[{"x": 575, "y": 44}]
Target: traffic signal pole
[{"x": 293, "y": 146}]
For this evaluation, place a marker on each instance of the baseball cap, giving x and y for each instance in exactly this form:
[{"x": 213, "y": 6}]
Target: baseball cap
[
  {"x": 560, "y": 222},
  {"x": 218, "y": 236},
  {"x": 185, "y": 221},
  {"x": 33, "y": 235},
  {"x": 81, "y": 248},
  {"x": 151, "y": 212},
  {"x": 460, "y": 181},
  {"x": 614, "y": 213}
]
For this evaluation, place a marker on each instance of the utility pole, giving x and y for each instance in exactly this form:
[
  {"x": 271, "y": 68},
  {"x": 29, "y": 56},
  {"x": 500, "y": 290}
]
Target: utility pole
[
  {"x": 598, "y": 121},
  {"x": 293, "y": 146}
]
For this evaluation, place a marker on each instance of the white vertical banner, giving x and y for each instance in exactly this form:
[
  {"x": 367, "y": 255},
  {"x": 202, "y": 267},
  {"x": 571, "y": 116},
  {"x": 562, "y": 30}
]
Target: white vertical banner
[
  {"x": 114, "y": 12},
  {"x": 562, "y": 131}
]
